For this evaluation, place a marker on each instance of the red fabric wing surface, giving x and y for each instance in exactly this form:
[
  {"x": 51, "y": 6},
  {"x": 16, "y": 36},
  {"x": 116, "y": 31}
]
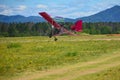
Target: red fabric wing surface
[{"x": 50, "y": 20}]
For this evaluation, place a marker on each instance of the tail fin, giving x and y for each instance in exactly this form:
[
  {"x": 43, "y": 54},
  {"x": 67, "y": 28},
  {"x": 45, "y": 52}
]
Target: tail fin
[{"x": 77, "y": 26}]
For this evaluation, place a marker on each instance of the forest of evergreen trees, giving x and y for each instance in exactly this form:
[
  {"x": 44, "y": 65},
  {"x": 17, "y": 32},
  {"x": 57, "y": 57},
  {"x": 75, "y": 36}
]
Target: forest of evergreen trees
[{"x": 43, "y": 28}]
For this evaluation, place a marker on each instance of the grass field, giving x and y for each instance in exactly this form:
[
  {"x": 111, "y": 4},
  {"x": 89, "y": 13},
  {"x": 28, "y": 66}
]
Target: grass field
[{"x": 85, "y": 57}]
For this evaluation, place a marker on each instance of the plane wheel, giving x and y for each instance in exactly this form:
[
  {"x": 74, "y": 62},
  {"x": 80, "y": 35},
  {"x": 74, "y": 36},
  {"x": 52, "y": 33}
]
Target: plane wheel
[{"x": 55, "y": 39}]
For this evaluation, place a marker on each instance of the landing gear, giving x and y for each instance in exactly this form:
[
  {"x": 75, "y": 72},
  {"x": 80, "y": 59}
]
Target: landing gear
[
  {"x": 55, "y": 39},
  {"x": 52, "y": 35}
]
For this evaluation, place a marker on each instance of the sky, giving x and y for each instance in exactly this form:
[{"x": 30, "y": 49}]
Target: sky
[{"x": 64, "y": 8}]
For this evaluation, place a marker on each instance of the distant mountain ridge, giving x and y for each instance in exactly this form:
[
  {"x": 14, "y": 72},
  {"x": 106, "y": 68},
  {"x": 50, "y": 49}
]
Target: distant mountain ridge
[
  {"x": 19, "y": 18},
  {"x": 108, "y": 15}
]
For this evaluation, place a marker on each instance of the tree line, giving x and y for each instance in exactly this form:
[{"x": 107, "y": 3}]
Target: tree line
[
  {"x": 102, "y": 28},
  {"x": 44, "y": 29}
]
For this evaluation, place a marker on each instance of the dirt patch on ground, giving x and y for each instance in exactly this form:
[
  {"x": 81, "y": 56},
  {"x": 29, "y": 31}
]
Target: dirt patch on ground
[
  {"x": 113, "y": 35},
  {"x": 72, "y": 69}
]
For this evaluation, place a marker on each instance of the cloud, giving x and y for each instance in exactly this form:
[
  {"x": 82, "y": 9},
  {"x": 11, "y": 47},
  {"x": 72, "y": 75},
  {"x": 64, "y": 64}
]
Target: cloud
[
  {"x": 77, "y": 14},
  {"x": 60, "y": 10},
  {"x": 70, "y": 12},
  {"x": 42, "y": 6},
  {"x": 3, "y": 6},
  {"x": 70, "y": 8},
  {"x": 5, "y": 10},
  {"x": 21, "y": 8}
]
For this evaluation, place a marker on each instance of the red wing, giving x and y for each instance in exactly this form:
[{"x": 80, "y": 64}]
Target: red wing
[
  {"x": 54, "y": 23},
  {"x": 50, "y": 20}
]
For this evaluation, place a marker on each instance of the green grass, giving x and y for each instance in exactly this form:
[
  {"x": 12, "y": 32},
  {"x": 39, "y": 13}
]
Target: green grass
[
  {"x": 110, "y": 74},
  {"x": 13, "y": 45},
  {"x": 21, "y": 54}
]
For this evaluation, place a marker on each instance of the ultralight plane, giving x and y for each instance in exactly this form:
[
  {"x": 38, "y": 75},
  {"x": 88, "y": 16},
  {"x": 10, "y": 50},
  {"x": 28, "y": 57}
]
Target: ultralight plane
[{"x": 77, "y": 27}]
